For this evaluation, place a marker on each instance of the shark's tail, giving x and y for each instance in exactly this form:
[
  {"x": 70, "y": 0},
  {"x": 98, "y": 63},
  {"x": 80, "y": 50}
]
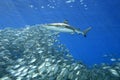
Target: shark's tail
[{"x": 86, "y": 31}]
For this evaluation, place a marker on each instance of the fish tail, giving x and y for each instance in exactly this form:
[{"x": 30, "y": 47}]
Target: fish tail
[{"x": 86, "y": 31}]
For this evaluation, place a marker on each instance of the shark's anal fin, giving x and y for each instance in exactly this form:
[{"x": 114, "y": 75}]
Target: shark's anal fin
[{"x": 86, "y": 31}]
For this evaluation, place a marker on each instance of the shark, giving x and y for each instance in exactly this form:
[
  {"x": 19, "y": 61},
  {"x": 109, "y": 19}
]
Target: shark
[{"x": 65, "y": 27}]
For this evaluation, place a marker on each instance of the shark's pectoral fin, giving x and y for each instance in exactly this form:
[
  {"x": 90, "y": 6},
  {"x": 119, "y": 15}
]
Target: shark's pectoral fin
[{"x": 72, "y": 33}]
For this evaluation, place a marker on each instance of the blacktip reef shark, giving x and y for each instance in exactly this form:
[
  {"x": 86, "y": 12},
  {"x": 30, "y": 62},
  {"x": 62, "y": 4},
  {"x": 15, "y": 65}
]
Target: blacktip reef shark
[{"x": 65, "y": 27}]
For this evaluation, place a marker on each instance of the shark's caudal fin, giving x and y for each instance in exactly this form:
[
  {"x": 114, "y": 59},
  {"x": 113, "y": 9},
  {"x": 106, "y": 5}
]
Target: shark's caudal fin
[{"x": 86, "y": 31}]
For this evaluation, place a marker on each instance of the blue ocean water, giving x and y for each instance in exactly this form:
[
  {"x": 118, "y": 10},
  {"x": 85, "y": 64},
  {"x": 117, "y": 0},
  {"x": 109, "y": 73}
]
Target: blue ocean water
[{"x": 103, "y": 16}]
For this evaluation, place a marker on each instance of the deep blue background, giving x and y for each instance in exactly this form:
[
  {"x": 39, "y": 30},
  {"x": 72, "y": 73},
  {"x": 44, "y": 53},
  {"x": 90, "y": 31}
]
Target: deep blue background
[{"x": 102, "y": 15}]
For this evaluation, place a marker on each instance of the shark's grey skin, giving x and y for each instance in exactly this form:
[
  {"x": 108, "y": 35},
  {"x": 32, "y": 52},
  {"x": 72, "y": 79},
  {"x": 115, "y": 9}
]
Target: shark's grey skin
[
  {"x": 34, "y": 53},
  {"x": 65, "y": 27}
]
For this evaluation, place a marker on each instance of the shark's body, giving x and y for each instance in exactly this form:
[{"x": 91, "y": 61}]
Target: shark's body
[{"x": 64, "y": 27}]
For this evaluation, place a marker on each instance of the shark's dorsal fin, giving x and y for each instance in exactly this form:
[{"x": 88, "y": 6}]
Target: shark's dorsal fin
[{"x": 65, "y": 21}]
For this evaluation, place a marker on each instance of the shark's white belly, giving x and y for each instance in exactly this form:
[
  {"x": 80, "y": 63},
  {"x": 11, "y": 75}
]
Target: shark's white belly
[{"x": 59, "y": 29}]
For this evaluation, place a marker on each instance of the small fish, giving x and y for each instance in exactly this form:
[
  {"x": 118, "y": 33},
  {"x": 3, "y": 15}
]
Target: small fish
[
  {"x": 65, "y": 27},
  {"x": 114, "y": 72},
  {"x": 113, "y": 59}
]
